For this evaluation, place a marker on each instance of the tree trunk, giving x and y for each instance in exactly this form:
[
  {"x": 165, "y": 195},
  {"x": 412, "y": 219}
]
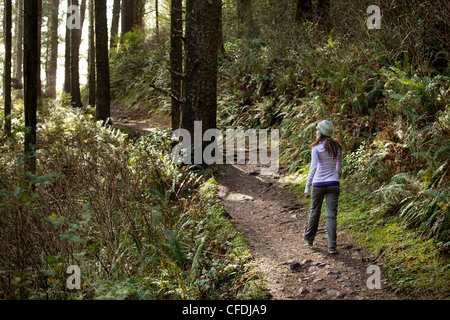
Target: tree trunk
[
  {"x": 304, "y": 10},
  {"x": 39, "y": 84},
  {"x": 19, "y": 49},
  {"x": 31, "y": 66},
  {"x": 127, "y": 15},
  {"x": 50, "y": 89},
  {"x": 139, "y": 11},
  {"x": 91, "y": 53},
  {"x": 7, "y": 72},
  {"x": 102, "y": 60},
  {"x": 82, "y": 16},
  {"x": 115, "y": 23},
  {"x": 176, "y": 60},
  {"x": 67, "y": 62},
  {"x": 200, "y": 82},
  {"x": 74, "y": 65},
  {"x": 220, "y": 35},
  {"x": 157, "y": 18},
  {"x": 245, "y": 18}
]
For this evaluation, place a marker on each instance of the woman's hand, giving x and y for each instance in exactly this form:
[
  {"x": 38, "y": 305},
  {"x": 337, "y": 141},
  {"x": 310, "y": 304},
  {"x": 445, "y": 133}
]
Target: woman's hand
[{"x": 307, "y": 195}]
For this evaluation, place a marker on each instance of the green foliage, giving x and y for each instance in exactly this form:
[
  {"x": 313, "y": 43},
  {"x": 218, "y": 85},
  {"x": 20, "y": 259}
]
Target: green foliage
[
  {"x": 139, "y": 72},
  {"x": 174, "y": 249},
  {"x": 137, "y": 225},
  {"x": 387, "y": 96},
  {"x": 414, "y": 263},
  {"x": 144, "y": 230},
  {"x": 392, "y": 119}
]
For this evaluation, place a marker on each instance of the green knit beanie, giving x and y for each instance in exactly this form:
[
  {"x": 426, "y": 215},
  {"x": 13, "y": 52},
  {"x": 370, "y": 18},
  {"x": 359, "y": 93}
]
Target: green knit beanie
[{"x": 326, "y": 128}]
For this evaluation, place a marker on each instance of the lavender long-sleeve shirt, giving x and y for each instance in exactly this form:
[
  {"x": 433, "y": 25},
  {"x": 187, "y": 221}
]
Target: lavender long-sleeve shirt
[{"x": 324, "y": 168}]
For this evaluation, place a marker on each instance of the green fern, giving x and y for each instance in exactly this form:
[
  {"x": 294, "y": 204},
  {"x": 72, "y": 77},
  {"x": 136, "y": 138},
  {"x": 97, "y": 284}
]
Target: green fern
[
  {"x": 196, "y": 260},
  {"x": 174, "y": 249}
]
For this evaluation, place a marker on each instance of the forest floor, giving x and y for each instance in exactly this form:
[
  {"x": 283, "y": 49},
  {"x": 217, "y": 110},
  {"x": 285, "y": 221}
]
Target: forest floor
[{"x": 272, "y": 220}]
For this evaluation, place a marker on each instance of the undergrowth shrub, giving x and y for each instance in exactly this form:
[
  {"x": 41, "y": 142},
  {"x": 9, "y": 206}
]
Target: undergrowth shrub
[
  {"x": 140, "y": 71},
  {"x": 136, "y": 225}
]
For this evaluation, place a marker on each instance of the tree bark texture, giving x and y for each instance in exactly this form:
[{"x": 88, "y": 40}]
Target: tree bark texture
[
  {"x": 139, "y": 11},
  {"x": 31, "y": 66},
  {"x": 176, "y": 60},
  {"x": 245, "y": 18},
  {"x": 39, "y": 42},
  {"x": 50, "y": 89},
  {"x": 74, "y": 64},
  {"x": 157, "y": 18},
  {"x": 19, "y": 43},
  {"x": 7, "y": 72},
  {"x": 103, "y": 97},
  {"x": 115, "y": 23},
  {"x": 91, "y": 54},
  {"x": 128, "y": 15},
  {"x": 200, "y": 82},
  {"x": 67, "y": 56}
]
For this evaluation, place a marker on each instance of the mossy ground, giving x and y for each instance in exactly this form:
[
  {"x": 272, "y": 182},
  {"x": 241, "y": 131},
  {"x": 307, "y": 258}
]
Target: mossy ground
[{"x": 413, "y": 264}]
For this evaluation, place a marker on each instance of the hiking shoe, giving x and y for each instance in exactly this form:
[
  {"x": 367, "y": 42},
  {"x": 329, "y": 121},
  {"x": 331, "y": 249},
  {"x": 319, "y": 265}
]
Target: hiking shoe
[
  {"x": 309, "y": 243},
  {"x": 332, "y": 250}
]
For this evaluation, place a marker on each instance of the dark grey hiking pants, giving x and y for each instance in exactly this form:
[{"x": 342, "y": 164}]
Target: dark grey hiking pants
[{"x": 332, "y": 196}]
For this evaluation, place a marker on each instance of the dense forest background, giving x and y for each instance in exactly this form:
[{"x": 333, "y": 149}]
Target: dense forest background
[{"x": 75, "y": 189}]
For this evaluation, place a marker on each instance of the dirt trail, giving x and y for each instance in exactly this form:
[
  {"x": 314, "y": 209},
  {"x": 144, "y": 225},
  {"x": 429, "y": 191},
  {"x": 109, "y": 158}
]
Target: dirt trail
[
  {"x": 136, "y": 120},
  {"x": 271, "y": 218}
]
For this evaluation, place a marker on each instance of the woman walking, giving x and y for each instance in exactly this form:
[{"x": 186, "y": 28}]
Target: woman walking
[{"x": 324, "y": 172}]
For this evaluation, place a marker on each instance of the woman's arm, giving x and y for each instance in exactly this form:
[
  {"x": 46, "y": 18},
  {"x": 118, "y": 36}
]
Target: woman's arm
[{"x": 312, "y": 169}]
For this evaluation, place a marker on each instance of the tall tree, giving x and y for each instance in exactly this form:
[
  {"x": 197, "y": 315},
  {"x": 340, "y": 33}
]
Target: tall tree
[
  {"x": 200, "y": 82},
  {"x": 157, "y": 18},
  {"x": 82, "y": 15},
  {"x": 19, "y": 42},
  {"x": 39, "y": 42},
  {"x": 115, "y": 23},
  {"x": 103, "y": 98},
  {"x": 7, "y": 72},
  {"x": 50, "y": 89},
  {"x": 245, "y": 17},
  {"x": 220, "y": 35},
  {"x": 31, "y": 66},
  {"x": 128, "y": 15},
  {"x": 139, "y": 11},
  {"x": 176, "y": 60},
  {"x": 91, "y": 54},
  {"x": 75, "y": 40},
  {"x": 67, "y": 56}
]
